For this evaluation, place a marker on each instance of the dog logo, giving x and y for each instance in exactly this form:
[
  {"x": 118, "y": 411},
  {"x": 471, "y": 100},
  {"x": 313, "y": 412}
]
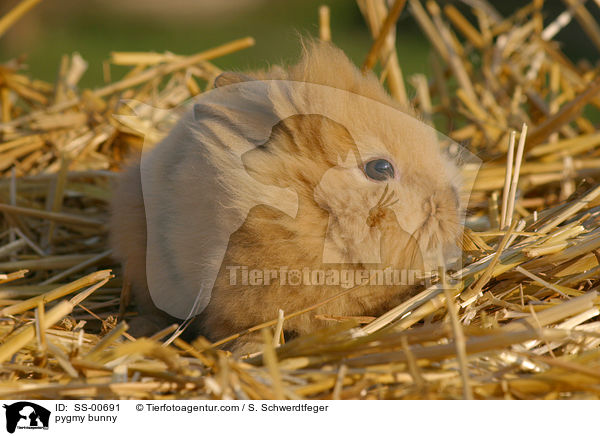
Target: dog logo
[{"x": 26, "y": 415}]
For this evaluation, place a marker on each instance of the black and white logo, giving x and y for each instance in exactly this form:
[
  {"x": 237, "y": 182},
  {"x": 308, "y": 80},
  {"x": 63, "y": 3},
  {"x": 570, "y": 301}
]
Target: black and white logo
[{"x": 25, "y": 415}]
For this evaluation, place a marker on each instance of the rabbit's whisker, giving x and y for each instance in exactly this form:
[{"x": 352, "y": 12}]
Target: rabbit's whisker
[
  {"x": 382, "y": 198},
  {"x": 390, "y": 200},
  {"x": 392, "y": 203}
]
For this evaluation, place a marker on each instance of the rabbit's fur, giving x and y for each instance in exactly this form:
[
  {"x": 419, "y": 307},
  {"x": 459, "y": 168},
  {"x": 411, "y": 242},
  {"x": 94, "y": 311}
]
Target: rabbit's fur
[{"x": 344, "y": 220}]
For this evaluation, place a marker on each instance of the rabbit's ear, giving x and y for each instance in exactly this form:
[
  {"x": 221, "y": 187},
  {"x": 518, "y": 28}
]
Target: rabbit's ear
[
  {"x": 230, "y": 78},
  {"x": 242, "y": 109}
]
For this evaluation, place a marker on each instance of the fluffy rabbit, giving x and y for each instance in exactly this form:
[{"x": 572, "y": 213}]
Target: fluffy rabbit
[{"x": 315, "y": 176}]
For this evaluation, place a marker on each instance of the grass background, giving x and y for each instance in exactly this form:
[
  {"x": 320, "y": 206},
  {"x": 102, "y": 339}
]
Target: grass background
[
  {"x": 94, "y": 28},
  {"x": 276, "y": 26}
]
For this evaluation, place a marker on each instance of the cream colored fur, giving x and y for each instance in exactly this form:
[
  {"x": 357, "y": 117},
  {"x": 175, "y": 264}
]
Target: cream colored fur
[{"x": 319, "y": 211}]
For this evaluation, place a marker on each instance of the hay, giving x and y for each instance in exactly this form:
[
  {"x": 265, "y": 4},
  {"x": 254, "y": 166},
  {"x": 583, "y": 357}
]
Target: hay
[{"x": 520, "y": 320}]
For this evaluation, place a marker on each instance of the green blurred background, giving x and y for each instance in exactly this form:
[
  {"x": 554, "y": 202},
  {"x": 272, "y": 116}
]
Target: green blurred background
[{"x": 94, "y": 28}]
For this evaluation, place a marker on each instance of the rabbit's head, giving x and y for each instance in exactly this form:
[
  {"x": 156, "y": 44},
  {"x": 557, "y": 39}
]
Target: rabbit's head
[
  {"x": 393, "y": 182},
  {"x": 355, "y": 158}
]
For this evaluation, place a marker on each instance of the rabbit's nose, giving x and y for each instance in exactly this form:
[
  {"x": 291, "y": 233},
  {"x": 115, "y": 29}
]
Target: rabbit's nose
[
  {"x": 433, "y": 206},
  {"x": 439, "y": 203},
  {"x": 430, "y": 206}
]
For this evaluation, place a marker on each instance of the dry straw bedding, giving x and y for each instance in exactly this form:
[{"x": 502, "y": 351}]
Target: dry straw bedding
[{"x": 520, "y": 320}]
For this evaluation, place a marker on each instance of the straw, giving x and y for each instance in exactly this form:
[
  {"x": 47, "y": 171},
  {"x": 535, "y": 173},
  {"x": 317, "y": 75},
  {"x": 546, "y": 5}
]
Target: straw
[
  {"x": 15, "y": 14},
  {"x": 515, "y": 175},
  {"x": 526, "y": 325},
  {"x": 390, "y": 20},
  {"x": 507, "y": 178},
  {"x": 324, "y": 24}
]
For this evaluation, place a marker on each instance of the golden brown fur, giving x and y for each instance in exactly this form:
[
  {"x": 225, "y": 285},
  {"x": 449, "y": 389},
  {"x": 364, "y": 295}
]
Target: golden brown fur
[{"x": 338, "y": 216}]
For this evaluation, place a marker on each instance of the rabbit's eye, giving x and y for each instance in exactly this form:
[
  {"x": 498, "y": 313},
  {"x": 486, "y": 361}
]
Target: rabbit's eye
[{"x": 379, "y": 169}]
